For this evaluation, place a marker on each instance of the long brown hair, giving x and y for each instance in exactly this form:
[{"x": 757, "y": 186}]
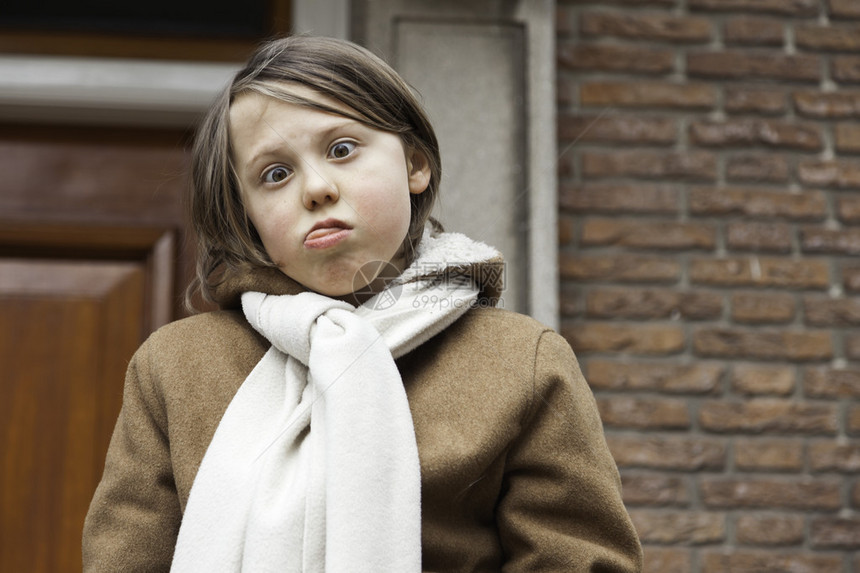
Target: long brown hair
[{"x": 344, "y": 71}]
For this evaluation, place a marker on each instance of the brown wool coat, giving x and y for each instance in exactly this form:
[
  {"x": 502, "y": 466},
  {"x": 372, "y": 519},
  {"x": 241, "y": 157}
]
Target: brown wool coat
[{"x": 515, "y": 472}]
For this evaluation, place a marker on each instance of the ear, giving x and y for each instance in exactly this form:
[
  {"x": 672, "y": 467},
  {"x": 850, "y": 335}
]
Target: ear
[{"x": 418, "y": 169}]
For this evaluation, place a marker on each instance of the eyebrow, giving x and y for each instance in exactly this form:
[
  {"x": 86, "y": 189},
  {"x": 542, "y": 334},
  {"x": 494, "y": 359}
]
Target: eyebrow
[{"x": 340, "y": 123}]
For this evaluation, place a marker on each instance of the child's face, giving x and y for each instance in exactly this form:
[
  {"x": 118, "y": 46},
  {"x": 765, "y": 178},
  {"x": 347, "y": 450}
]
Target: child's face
[{"x": 327, "y": 195}]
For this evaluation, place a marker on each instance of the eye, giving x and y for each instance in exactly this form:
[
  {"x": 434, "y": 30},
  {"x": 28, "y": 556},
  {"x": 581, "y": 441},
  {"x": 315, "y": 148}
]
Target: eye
[
  {"x": 276, "y": 174},
  {"x": 341, "y": 149}
]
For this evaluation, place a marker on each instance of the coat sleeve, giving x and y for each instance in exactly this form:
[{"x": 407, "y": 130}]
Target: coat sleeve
[
  {"x": 561, "y": 506},
  {"x": 135, "y": 514}
]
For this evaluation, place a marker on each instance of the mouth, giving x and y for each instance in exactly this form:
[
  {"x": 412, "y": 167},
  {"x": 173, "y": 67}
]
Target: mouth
[{"x": 326, "y": 234}]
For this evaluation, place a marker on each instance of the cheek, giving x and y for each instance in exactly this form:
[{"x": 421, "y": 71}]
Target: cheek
[
  {"x": 394, "y": 213},
  {"x": 270, "y": 225},
  {"x": 391, "y": 201}
]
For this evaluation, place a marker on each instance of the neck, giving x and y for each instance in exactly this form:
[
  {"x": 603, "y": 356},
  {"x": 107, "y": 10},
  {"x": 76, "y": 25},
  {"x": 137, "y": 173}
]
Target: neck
[{"x": 383, "y": 273}]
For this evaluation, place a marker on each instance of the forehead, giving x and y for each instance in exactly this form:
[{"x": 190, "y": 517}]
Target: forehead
[
  {"x": 262, "y": 126},
  {"x": 251, "y": 104}
]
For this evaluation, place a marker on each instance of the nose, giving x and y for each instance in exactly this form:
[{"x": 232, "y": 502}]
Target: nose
[{"x": 318, "y": 189}]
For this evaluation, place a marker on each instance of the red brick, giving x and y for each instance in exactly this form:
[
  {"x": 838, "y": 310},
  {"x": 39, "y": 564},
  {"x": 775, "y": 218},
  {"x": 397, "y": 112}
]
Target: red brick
[
  {"x": 667, "y": 560},
  {"x": 753, "y": 31},
  {"x": 831, "y": 38},
  {"x": 569, "y": 299},
  {"x": 746, "y": 65},
  {"x": 761, "y": 272},
  {"x": 818, "y": 240},
  {"x": 770, "y": 562},
  {"x": 694, "y": 378},
  {"x": 833, "y": 383},
  {"x": 697, "y": 165},
  {"x": 613, "y": 58},
  {"x": 847, "y": 137},
  {"x": 565, "y": 18},
  {"x": 757, "y": 167},
  {"x": 835, "y": 532},
  {"x": 654, "y": 489},
  {"x": 852, "y": 345},
  {"x": 760, "y": 379},
  {"x": 617, "y": 129},
  {"x": 754, "y": 236},
  {"x": 844, "y": 8},
  {"x": 757, "y": 203},
  {"x": 685, "y": 453},
  {"x": 840, "y": 174},
  {"x": 769, "y": 455},
  {"x": 834, "y": 312},
  {"x": 845, "y": 69},
  {"x": 811, "y": 494},
  {"x": 647, "y": 234},
  {"x": 767, "y": 415},
  {"x": 619, "y": 198},
  {"x": 832, "y": 456},
  {"x": 565, "y": 88},
  {"x": 854, "y": 420},
  {"x": 762, "y": 308},
  {"x": 649, "y": 26},
  {"x": 770, "y": 530},
  {"x": 805, "y": 8},
  {"x": 700, "y": 305},
  {"x": 567, "y": 164},
  {"x": 753, "y": 132},
  {"x": 566, "y": 229},
  {"x": 851, "y": 278},
  {"x": 679, "y": 527},
  {"x": 755, "y": 100},
  {"x": 638, "y": 304},
  {"x": 648, "y": 95},
  {"x": 833, "y": 105},
  {"x": 848, "y": 209},
  {"x": 619, "y": 268},
  {"x": 648, "y": 339},
  {"x": 757, "y": 344},
  {"x": 643, "y": 413}
]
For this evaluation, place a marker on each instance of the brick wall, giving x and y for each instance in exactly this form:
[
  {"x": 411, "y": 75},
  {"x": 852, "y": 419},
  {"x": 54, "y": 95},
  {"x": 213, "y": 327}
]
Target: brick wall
[{"x": 709, "y": 226}]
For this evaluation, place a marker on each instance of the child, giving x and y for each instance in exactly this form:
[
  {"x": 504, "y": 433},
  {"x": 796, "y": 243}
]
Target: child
[{"x": 356, "y": 404}]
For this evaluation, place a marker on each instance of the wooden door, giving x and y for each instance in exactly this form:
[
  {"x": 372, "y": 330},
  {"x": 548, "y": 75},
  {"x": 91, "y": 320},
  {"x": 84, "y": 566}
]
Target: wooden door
[{"x": 92, "y": 259}]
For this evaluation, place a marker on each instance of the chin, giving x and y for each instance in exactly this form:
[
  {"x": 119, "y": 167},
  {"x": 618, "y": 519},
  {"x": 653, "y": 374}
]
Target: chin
[
  {"x": 333, "y": 291},
  {"x": 336, "y": 285}
]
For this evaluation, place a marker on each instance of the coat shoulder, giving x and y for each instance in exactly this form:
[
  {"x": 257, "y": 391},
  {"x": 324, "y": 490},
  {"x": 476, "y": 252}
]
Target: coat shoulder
[
  {"x": 209, "y": 333},
  {"x": 505, "y": 329},
  {"x": 203, "y": 328},
  {"x": 520, "y": 324},
  {"x": 198, "y": 352}
]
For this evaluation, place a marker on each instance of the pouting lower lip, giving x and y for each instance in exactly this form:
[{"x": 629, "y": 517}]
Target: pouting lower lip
[
  {"x": 328, "y": 225},
  {"x": 325, "y": 237},
  {"x": 323, "y": 231}
]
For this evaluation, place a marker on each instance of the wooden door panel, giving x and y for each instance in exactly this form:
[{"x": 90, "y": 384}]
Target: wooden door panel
[
  {"x": 67, "y": 331},
  {"x": 154, "y": 248},
  {"x": 93, "y": 257},
  {"x": 99, "y": 181},
  {"x": 81, "y": 180},
  {"x": 75, "y": 303}
]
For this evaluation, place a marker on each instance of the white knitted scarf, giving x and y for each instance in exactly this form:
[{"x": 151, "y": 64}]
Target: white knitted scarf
[{"x": 314, "y": 466}]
